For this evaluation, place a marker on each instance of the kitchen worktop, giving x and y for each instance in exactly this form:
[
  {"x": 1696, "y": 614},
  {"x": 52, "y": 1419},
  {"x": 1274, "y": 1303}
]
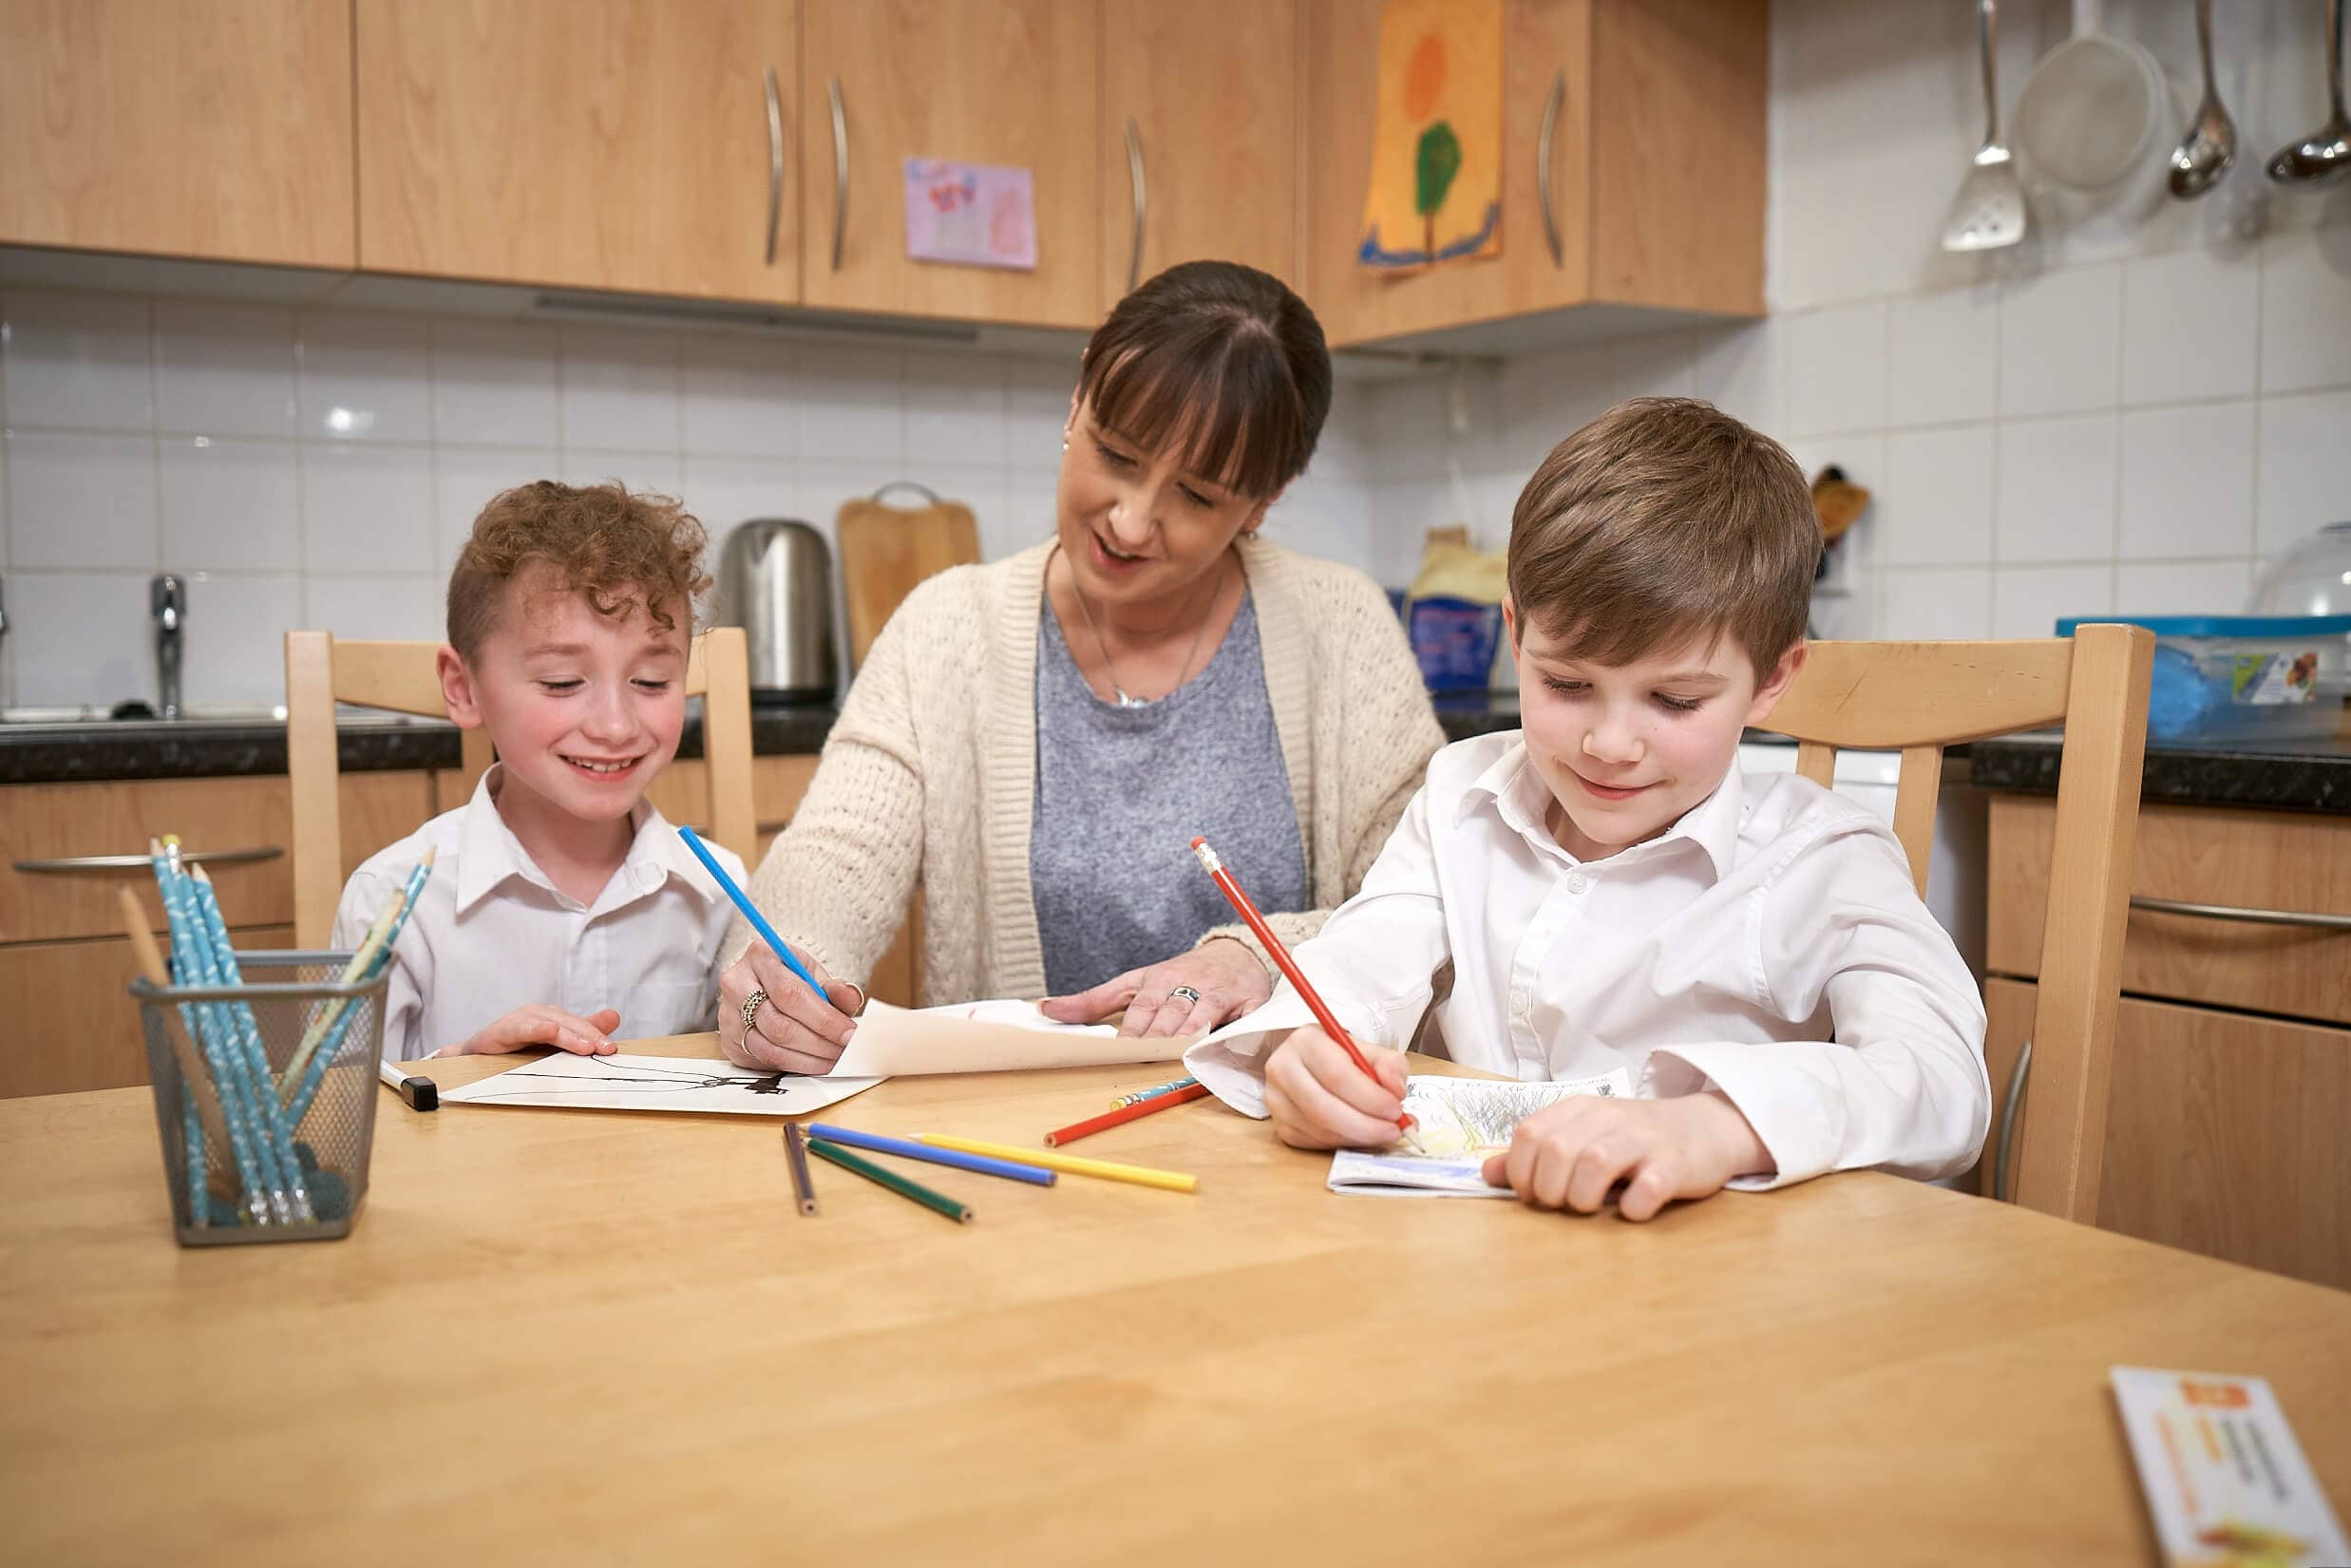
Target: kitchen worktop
[
  {"x": 203, "y": 748},
  {"x": 2313, "y": 774}
]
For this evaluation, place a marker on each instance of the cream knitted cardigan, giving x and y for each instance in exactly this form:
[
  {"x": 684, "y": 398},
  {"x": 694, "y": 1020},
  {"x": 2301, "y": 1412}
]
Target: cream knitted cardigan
[{"x": 930, "y": 772}]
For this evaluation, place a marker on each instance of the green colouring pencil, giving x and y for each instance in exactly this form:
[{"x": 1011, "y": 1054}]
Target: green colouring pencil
[{"x": 936, "y": 1201}]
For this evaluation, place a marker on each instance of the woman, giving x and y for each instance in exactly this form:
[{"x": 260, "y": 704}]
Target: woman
[{"x": 1038, "y": 740}]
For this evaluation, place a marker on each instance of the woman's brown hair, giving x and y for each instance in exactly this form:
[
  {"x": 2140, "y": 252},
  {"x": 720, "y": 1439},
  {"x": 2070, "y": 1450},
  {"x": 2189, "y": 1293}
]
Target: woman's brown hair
[
  {"x": 1219, "y": 360},
  {"x": 621, "y": 550}
]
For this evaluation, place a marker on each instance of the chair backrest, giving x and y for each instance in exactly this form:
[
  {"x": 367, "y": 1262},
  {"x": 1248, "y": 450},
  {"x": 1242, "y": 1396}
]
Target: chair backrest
[
  {"x": 1919, "y": 697},
  {"x": 401, "y": 676}
]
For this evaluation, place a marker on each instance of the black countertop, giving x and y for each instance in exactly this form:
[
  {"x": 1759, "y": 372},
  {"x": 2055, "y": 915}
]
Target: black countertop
[
  {"x": 2276, "y": 776},
  {"x": 210, "y": 748}
]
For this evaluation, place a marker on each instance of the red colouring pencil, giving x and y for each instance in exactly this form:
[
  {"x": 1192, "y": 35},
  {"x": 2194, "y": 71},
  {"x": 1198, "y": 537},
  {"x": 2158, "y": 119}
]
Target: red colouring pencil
[
  {"x": 1077, "y": 1130},
  {"x": 1214, "y": 865}
]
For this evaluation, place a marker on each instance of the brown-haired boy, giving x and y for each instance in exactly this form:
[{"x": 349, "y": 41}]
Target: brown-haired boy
[
  {"x": 562, "y": 910},
  {"x": 1748, "y": 956}
]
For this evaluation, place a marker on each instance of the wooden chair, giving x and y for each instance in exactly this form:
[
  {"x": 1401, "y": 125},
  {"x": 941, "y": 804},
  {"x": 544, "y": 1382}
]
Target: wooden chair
[
  {"x": 321, "y": 671},
  {"x": 1919, "y": 697}
]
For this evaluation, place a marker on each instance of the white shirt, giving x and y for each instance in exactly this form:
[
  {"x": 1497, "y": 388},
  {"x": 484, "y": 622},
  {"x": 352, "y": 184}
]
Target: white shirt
[
  {"x": 491, "y": 933},
  {"x": 1720, "y": 954}
]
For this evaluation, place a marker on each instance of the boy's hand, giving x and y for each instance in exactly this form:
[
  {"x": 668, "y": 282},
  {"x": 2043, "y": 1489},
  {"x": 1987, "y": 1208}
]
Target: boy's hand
[
  {"x": 1321, "y": 1100},
  {"x": 1569, "y": 1156},
  {"x": 541, "y": 1025},
  {"x": 796, "y": 1030}
]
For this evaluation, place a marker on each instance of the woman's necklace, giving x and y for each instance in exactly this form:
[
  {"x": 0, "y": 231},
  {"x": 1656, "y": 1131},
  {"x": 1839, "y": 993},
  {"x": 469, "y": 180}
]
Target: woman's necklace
[{"x": 1104, "y": 648}]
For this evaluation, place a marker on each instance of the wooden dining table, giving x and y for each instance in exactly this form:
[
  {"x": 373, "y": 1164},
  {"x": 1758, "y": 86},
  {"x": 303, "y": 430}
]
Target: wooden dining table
[{"x": 592, "y": 1337}]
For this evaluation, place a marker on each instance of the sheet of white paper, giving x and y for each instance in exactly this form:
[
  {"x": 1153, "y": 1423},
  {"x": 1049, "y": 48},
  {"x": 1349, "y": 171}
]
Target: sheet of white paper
[
  {"x": 999, "y": 1036},
  {"x": 1458, "y": 1123},
  {"x": 654, "y": 1082}
]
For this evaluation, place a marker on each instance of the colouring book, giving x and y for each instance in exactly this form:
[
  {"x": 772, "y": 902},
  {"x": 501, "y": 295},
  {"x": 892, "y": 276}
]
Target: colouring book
[
  {"x": 1458, "y": 1124},
  {"x": 654, "y": 1082}
]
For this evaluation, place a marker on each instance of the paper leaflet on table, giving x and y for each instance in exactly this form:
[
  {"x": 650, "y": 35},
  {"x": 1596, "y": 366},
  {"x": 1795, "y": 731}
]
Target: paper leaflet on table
[
  {"x": 654, "y": 1082},
  {"x": 2224, "y": 1481},
  {"x": 993, "y": 1036},
  {"x": 1459, "y": 1122}
]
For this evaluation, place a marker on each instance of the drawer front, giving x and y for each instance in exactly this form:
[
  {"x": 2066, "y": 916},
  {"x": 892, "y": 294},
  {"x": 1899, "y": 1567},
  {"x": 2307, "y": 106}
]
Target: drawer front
[
  {"x": 69, "y": 1024},
  {"x": 2224, "y": 1133},
  {"x": 246, "y": 817},
  {"x": 2199, "y": 855}
]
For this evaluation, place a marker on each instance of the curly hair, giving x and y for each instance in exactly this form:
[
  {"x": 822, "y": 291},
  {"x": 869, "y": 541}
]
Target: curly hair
[{"x": 622, "y": 551}]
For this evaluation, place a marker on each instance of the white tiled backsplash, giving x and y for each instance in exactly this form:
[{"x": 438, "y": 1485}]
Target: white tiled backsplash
[
  {"x": 2128, "y": 413},
  {"x": 321, "y": 468}
]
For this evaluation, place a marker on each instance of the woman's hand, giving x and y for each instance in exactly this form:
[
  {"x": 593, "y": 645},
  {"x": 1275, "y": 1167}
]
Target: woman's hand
[
  {"x": 797, "y": 1030},
  {"x": 541, "y": 1025},
  {"x": 1225, "y": 973}
]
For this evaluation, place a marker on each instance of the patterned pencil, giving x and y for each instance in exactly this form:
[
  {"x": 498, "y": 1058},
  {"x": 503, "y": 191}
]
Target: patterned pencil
[
  {"x": 1154, "y": 1091},
  {"x": 1077, "y": 1130},
  {"x": 796, "y": 1155}
]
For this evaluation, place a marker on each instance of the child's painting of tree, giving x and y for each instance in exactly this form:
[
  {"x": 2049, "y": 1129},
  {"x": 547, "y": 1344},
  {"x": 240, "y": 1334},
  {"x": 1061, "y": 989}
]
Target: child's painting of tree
[{"x": 1436, "y": 163}]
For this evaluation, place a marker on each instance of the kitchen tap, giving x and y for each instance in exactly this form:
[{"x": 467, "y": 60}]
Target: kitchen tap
[{"x": 167, "y": 601}]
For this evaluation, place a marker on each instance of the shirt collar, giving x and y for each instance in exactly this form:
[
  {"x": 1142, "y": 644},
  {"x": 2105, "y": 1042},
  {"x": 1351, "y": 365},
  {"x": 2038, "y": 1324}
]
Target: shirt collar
[
  {"x": 1513, "y": 791},
  {"x": 490, "y": 855}
]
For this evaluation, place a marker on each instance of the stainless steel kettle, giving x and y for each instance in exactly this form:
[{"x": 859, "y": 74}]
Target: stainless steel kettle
[{"x": 775, "y": 580}]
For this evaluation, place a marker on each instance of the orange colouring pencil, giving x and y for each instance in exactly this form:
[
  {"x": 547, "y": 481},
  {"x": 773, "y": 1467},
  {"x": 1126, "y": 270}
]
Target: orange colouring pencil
[
  {"x": 1214, "y": 865},
  {"x": 1077, "y": 1130}
]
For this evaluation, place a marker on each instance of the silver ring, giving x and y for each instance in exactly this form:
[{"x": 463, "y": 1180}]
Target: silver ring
[
  {"x": 1185, "y": 992},
  {"x": 752, "y": 1005}
]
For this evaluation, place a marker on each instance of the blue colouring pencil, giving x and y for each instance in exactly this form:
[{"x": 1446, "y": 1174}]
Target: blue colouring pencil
[
  {"x": 341, "y": 1013},
  {"x": 276, "y": 1141},
  {"x": 201, "y": 1028},
  {"x": 742, "y": 900},
  {"x": 1032, "y": 1175}
]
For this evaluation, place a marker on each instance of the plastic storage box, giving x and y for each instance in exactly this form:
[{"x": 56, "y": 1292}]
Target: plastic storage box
[{"x": 2242, "y": 678}]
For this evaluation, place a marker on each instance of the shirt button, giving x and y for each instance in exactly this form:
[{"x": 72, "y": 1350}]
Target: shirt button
[{"x": 1579, "y": 882}]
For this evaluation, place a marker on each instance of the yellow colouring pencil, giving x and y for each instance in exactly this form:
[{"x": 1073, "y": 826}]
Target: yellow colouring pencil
[{"x": 1141, "y": 1176}]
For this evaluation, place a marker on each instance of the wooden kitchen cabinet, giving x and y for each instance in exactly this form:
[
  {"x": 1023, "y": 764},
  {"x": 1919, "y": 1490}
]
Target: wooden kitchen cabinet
[
  {"x": 1198, "y": 139},
  {"x": 620, "y": 144},
  {"x": 212, "y": 128},
  {"x": 69, "y": 822},
  {"x": 2232, "y": 1069},
  {"x": 2224, "y": 1132},
  {"x": 1000, "y": 82},
  {"x": 67, "y": 1024},
  {"x": 1656, "y": 166},
  {"x": 71, "y": 1023}
]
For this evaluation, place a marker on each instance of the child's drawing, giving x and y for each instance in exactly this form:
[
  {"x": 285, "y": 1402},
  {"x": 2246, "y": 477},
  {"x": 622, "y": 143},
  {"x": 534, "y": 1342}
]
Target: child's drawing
[
  {"x": 1459, "y": 1116},
  {"x": 655, "y": 1082}
]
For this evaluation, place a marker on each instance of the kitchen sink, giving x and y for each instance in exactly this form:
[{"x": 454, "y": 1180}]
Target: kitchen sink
[{"x": 218, "y": 715}]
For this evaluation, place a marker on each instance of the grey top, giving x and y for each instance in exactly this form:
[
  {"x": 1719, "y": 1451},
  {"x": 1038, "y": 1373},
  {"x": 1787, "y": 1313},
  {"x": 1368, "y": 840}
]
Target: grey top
[{"x": 1120, "y": 792}]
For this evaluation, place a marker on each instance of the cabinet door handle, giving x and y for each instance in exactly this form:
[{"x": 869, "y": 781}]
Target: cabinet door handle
[
  {"x": 1543, "y": 167},
  {"x": 2008, "y": 1122},
  {"x": 775, "y": 162},
  {"x": 2251, "y": 916},
  {"x": 841, "y": 166},
  {"x": 1135, "y": 180},
  {"x": 75, "y": 865}
]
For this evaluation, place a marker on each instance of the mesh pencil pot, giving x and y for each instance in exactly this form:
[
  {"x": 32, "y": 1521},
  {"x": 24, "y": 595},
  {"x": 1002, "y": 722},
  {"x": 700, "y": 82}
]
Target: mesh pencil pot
[{"x": 265, "y": 1097}]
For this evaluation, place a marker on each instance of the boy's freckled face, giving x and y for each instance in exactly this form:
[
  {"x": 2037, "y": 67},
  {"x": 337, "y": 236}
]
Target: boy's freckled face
[
  {"x": 1626, "y": 751},
  {"x": 585, "y": 709}
]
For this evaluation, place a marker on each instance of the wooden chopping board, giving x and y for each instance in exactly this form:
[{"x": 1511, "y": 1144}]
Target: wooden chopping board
[{"x": 885, "y": 550}]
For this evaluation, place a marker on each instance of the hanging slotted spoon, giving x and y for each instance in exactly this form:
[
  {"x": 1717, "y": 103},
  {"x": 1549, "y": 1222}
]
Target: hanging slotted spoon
[{"x": 1988, "y": 212}]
